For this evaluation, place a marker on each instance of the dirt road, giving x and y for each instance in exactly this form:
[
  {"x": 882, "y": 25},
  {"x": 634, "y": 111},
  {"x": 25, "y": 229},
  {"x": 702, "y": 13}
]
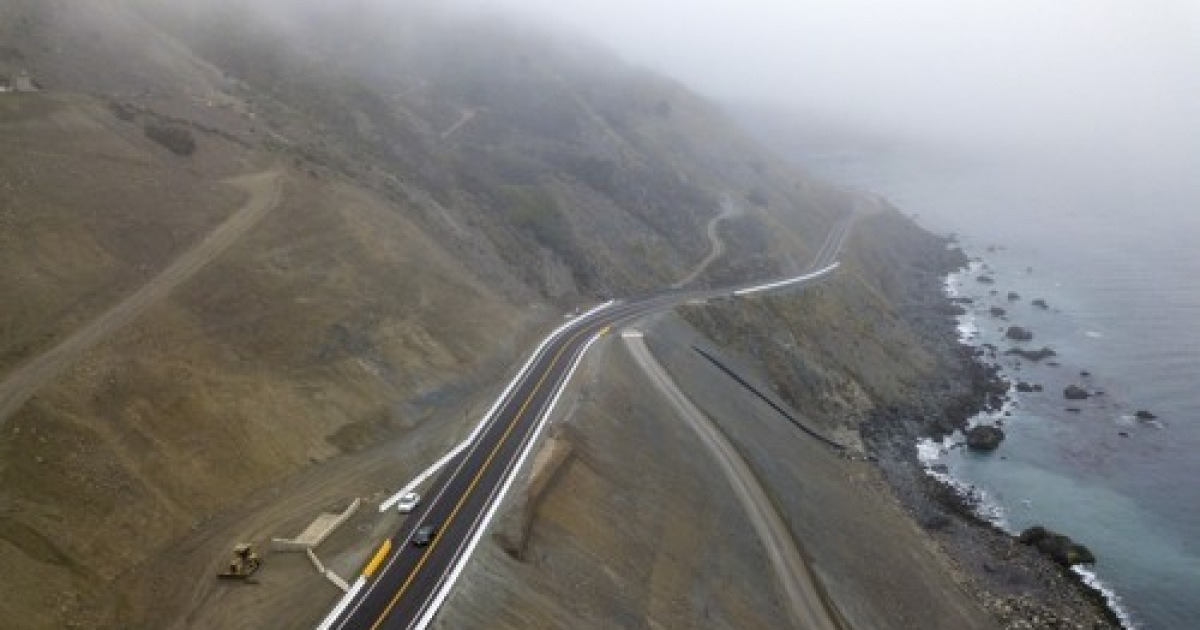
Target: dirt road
[
  {"x": 805, "y": 604},
  {"x": 728, "y": 209},
  {"x": 264, "y": 190}
]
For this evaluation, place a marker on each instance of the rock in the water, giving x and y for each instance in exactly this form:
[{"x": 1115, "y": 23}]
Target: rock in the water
[
  {"x": 1040, "y": 303},
  {"x": 985, "y": 280},
  {"x": 1142, "y": 414},
  {"x": 1028, "y": 387},
  {"x": 1031, "y": 355},
  {"x": 984, "y": 437},
  {"x": 1059, "y": 547},
  {"x": 1018, "y": 333},
  {"x": 996, "y": 311},
  {"x": 1075, "y": 392},
  {"x": 1013, "y": 296}
]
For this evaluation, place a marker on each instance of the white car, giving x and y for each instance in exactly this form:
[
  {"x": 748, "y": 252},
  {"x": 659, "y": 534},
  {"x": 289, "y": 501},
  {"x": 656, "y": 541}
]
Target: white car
[{"x": 408, "y": 502}]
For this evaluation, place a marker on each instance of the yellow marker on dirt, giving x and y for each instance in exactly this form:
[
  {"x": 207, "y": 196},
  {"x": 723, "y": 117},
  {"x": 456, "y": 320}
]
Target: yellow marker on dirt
[{"x": 378, "y": 558}]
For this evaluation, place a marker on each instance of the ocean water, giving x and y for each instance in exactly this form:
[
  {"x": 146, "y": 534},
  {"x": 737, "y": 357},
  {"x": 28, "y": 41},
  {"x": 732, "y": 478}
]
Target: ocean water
[{"x": 1118, "y": 261}]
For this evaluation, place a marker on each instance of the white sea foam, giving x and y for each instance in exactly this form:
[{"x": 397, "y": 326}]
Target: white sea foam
[
  {"x": 1087, "y": 576},
  {"x": 930, "y": 452},
  {"x": 984, "y": 506}
]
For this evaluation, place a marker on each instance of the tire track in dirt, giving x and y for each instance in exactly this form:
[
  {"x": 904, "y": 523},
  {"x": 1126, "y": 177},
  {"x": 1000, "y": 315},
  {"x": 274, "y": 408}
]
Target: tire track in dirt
[{"x": 264, "y": 190}]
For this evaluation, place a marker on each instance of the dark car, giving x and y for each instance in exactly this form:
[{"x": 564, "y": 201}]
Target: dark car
[{"x": 425, "y": 535}]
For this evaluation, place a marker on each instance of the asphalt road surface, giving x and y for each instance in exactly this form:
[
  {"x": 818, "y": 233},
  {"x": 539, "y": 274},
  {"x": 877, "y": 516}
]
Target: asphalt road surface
[{"x": 405, "y": 584}]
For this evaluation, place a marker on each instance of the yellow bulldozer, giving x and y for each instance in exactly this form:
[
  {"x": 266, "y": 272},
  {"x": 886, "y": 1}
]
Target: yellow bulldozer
[{"x": 242, "y": 564}]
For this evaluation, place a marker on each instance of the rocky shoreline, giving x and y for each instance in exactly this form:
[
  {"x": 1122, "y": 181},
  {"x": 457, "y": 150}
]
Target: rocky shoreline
[{"x": 1019, "y": 584}]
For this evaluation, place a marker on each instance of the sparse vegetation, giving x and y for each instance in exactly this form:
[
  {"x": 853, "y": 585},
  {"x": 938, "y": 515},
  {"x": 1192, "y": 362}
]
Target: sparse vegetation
[{"x": 177, "y": 140}]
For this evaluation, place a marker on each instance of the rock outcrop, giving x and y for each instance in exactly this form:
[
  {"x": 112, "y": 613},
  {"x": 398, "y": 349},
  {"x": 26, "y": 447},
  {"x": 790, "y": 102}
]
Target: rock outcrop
[
  {"x": 1057, "y": 546},
  {"x": 984, "y": 437},
  {"x": 1019, "y": 333},
  {"x": 1075, "y": 392},
  {"x": 1031, "y": 355}
]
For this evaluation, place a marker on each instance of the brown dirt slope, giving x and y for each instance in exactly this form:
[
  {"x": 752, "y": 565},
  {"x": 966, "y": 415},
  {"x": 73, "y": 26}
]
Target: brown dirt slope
[
  {"x": 330, "y": 324},
  {"x": 638, "y": 530}
]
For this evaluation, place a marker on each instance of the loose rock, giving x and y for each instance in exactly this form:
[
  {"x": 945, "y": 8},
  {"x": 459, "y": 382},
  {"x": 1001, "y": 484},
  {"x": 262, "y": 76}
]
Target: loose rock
[
  {"x": 1018, "y": 333},
  {"x": 1075, "y": 392}
]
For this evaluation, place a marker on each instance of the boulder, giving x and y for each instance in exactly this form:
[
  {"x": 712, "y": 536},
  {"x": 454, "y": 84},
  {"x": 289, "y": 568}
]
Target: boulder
[
  {"x": 1040, "y": 303},
  {"x": 1142, "y": 414},
  {"x": 1075, "y": 392},
  {"x": 985, "y": 279},
  {"x": 1028, "y": 387},
  {"x": 1013, "y": 296},
  {"x": 1018, "y": 333},
  {"x": 1057, "y": 546},
  {"x": 996, "y": 311},
  {"x": 1031, "y": 355},
  {"x": 984, "y": 437}
]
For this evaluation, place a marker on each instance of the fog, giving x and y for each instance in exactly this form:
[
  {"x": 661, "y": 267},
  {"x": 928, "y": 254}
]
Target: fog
[{"x": 1117, "y": 81}]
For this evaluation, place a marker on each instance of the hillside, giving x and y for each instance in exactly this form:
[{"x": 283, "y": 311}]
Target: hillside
[{"x": 257, "y": 262}]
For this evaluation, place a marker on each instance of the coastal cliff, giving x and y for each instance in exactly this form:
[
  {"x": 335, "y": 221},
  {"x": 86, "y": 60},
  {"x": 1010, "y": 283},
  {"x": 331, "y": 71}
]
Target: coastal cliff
[{"x": 262, "y": 263}]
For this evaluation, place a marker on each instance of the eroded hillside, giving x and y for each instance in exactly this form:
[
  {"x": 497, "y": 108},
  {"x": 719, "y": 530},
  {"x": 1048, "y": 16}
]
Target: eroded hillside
[{"x": 424, "y": 203}]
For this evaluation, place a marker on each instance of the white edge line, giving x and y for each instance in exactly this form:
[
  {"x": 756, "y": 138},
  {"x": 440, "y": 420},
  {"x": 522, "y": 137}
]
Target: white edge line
[
  {"x": 387, "y": 505},
  {"x": 341, "y": 606},
  {"x": 350, "y": 595},
  {"x": 448, "y": 584},
  {"x": 783, "y": 283},
  {"x": 395, "y": 498}
]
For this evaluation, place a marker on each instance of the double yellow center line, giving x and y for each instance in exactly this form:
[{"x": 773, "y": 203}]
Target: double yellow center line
[{"x": 479, "y": 474}]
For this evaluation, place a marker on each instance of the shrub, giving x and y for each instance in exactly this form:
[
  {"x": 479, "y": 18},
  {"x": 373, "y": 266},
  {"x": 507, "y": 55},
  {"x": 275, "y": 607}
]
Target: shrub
[{"x": 178, "y": 140}]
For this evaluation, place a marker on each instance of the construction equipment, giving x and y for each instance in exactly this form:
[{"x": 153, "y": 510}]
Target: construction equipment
[{"x": 243, "y": 564}]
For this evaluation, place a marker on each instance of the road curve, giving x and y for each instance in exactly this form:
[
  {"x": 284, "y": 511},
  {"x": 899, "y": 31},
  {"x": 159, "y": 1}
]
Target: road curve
[
  {"x": 264, "y": 190},
  {"x": 406, "y": 584}
]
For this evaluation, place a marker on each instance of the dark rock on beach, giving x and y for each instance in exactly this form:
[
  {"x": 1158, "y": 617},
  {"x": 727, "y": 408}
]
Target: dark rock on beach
[
  {"x": 1075, "y": 392},
  {"x": 1013, "y": 296},
  {"x": 1142, "y": 414},
  {"x": 996, "y": 311},
  {"x": 984, "y": 437},
  {"x": 985, "y": 280},
  {"x": 1018, "y": 333},
  {"x": 1040, "y": 303},
  {"x": 1058, "y": 546},
  {"x": 1028, "y": 387}
]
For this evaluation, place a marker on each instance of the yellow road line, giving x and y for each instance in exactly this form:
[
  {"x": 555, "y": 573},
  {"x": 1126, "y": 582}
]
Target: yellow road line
[
  {"x": 475, "y": 481},
  {"x": 377, "y": 559}
]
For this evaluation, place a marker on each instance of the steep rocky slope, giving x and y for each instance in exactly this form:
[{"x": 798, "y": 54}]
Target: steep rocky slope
[
  {"x": 282, "y": 258},
  {"x": 445, "y": 190}
]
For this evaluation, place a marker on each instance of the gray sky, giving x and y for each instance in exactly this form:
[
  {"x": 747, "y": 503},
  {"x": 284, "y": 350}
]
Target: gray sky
[{"x": 1020, "y": 72}]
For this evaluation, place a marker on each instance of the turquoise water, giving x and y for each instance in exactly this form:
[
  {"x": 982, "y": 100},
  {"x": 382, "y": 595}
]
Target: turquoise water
[{"x": 1119, "y": 263}]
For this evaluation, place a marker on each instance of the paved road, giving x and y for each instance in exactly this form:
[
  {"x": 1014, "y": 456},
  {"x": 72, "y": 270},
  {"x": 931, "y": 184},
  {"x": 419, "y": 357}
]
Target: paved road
[
  {"x": 264, "y": 194},
  {"x": 404, "y": 585}
]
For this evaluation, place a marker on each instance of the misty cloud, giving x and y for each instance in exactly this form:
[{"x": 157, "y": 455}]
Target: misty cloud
[{"x": 1115, "y": 76}]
